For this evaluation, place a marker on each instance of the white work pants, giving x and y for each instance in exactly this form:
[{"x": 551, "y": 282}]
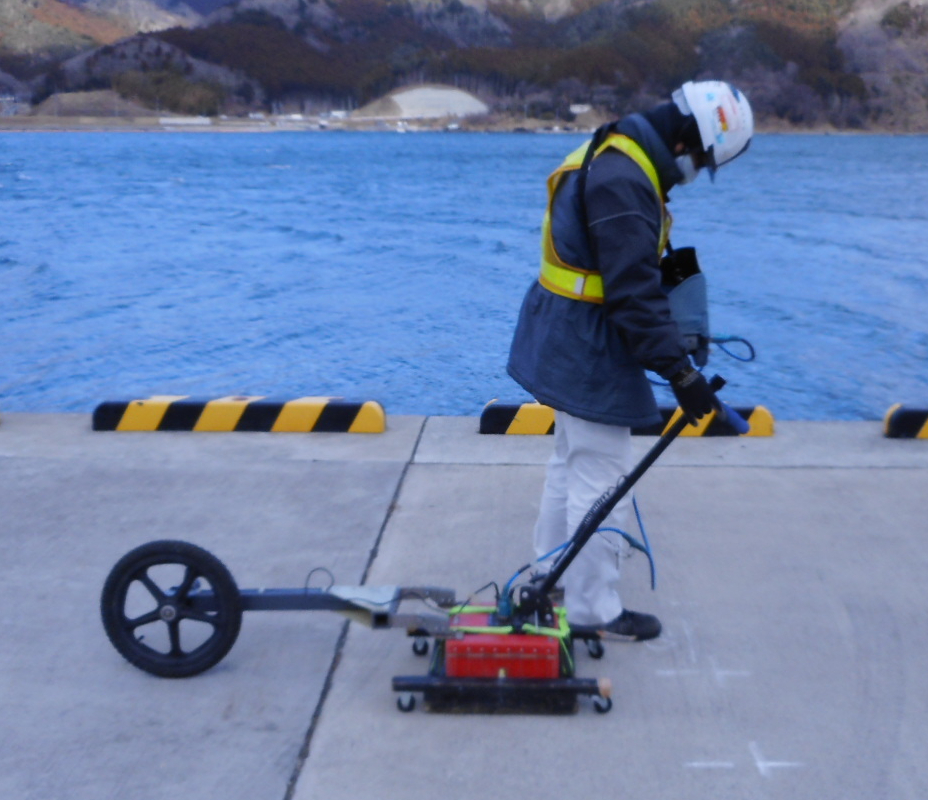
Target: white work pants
[{"x": 588, "y": 459}]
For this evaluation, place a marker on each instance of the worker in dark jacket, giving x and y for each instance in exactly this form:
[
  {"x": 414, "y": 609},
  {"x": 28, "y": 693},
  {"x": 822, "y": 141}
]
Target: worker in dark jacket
[{"x": 597, "y": 318}]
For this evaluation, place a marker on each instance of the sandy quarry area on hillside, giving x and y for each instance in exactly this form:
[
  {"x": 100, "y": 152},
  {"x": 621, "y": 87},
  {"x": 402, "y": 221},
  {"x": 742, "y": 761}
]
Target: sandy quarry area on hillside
[{"x": 424, "y": 102}]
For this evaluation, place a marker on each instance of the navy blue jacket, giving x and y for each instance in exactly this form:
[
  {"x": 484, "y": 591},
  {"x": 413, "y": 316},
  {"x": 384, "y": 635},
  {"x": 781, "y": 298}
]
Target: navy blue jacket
[{"x": 589, "y": 359}]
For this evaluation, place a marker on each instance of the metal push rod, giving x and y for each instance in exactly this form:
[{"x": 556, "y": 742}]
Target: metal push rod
[
  {"x": 597, "y": 514},
  {"x": 374, "y": 606}
]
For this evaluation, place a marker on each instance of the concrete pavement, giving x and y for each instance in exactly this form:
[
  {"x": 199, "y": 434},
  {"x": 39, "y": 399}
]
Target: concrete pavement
[{"x": 790, "y": 584}]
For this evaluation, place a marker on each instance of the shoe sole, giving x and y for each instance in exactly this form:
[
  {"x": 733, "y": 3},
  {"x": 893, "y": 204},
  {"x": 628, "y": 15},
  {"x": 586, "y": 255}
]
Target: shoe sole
[{"x": 611, "y": 636}]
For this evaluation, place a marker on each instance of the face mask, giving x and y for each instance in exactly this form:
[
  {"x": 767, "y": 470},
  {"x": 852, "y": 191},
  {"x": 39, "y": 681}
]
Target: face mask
[{"x": 688, "y": 168}]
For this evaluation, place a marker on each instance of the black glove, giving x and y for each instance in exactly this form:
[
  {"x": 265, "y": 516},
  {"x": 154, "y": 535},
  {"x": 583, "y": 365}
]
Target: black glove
[{"x": 693, "y": 394}]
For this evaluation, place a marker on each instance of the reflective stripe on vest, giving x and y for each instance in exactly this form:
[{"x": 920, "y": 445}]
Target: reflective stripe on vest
[{"x": 565, "y": 279}]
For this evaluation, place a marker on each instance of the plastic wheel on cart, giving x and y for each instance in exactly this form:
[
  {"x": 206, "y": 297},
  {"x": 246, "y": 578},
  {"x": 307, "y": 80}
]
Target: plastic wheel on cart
[
  {"x": 595, "y": 648},
  {"x": 602, "y": 705},
  {"x": 406, "y": 702},
  {"x": 149, "y": 614}
]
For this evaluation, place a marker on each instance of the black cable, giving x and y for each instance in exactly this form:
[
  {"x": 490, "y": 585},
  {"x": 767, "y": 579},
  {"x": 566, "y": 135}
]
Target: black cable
[{"x": 312, "y": 572}]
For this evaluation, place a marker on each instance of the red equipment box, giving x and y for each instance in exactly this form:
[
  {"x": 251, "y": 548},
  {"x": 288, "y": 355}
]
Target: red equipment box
[{"x": 500, "y": 655}]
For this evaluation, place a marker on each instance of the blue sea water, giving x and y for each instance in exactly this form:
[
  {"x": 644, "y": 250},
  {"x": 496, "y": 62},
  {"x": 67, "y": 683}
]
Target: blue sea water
[{"x": 387, "y": 267}]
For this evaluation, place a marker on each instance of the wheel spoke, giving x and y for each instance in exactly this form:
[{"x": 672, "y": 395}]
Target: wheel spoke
[
  {"x": 174, "y": 632},
  {"x": 152, "y": 587},
  {"x": 145, "y": 619},
  {"x": 190, "y": 575},
  {"x": 213, "y": 620}
]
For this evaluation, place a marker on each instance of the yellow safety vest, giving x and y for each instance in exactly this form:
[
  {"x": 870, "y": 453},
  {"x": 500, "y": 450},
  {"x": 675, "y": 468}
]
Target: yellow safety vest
[{"x": 570, "y": 281}]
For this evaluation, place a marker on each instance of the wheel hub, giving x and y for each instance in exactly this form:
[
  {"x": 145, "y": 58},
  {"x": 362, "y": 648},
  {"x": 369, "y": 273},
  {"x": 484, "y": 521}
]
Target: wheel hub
[{"x": 168, "y": 613}]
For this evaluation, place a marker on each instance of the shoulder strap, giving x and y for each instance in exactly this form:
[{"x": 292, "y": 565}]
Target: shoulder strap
[
  {"x": 599, "y": 136},
  {"x": 602, "y": 133}
]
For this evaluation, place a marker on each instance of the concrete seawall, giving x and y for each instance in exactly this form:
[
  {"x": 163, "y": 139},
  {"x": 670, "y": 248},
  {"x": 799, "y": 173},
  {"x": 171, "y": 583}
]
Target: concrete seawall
[{"x": 790, "y": 584}]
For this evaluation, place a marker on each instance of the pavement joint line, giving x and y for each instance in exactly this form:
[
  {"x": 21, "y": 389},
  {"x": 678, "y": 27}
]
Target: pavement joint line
[
  {"x": 393, "y": 503},
  {"x": 303, "y": 755}
]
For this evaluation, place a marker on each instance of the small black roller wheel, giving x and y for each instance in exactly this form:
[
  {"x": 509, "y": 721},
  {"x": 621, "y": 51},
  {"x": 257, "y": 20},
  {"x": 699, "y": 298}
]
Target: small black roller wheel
[
  {"x": 420, "y": 646},
  {"x": 595, "y": 648},
  {"x": 171, "y": 608},
  {"x": 406, "y": 702},
  {"x": 602, "y": 705}
]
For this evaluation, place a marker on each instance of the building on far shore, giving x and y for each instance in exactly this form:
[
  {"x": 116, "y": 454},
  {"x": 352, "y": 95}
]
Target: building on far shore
[{"x": 11, "y": 105}]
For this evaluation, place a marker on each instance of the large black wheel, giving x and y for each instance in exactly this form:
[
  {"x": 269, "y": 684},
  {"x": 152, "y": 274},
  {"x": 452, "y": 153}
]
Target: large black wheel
[{"x": 171, "y": 608}]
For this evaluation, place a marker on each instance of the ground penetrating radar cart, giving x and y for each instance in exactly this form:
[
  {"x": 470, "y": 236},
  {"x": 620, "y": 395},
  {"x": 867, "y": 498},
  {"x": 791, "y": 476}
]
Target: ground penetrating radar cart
[{"x": 174, "y": 610}]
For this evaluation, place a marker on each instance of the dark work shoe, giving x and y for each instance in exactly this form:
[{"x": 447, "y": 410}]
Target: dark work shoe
[{"x": 629, "y": 626}]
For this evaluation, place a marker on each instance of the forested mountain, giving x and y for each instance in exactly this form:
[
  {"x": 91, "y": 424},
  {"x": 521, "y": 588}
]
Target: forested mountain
[{"x": 841, "y": 63}]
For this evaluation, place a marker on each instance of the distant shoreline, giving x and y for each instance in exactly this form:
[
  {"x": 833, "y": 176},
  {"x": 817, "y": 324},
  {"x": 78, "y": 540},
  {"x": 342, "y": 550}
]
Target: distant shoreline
[{"x": 154, "y": 124}]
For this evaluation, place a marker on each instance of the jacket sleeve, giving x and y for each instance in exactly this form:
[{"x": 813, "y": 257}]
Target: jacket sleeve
[{"x": 624, "y": 219}]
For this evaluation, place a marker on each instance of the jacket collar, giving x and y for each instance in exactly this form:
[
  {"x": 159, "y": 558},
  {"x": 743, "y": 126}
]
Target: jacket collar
[{"x": 638, "y": 128}]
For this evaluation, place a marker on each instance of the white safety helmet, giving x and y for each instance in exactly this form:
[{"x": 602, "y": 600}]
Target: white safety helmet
[{"x": 723, "y": 115}]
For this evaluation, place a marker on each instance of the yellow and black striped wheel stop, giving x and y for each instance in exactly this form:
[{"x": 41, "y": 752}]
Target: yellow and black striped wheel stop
[
  {"x": 759, "y": 419},
  {"x": 535, "y": 418},
  {"x": 906, "y": 423},
  {"x": 182, "y": 413},
  {"x": 526, "y": 418}
]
